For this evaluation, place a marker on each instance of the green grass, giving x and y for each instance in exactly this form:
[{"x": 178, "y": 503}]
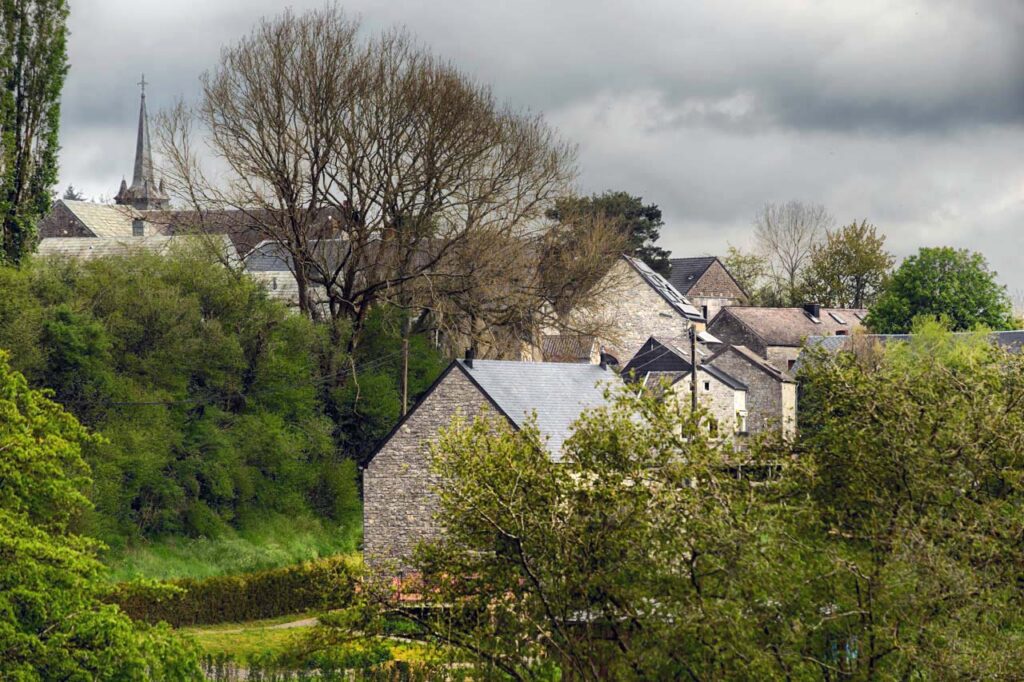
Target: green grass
[
  {"x": 242, "y": 641},
  {"x": 270, "y": 543}
]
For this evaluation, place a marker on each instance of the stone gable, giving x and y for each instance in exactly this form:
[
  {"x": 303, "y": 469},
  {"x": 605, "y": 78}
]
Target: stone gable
[
  {"x": 716, "y": 282},
  {"x": 62, "y": 222},
  {"x": 399, "y": 503},
  {"x": 770, "y": 402}
]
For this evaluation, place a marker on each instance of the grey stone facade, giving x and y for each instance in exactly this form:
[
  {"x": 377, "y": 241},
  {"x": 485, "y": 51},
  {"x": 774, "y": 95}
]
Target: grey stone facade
[
  {"x": 398, "y": 499},
  {"x": 771, "y": 396},
  {"x": 714, "y": 290},
  {"x": 632, "y": 312},
  {"x": 730, "y": 330}
]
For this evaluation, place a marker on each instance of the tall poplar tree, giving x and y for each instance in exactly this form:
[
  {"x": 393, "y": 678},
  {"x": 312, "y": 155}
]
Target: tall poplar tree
[{"x": 33, "y": 64}]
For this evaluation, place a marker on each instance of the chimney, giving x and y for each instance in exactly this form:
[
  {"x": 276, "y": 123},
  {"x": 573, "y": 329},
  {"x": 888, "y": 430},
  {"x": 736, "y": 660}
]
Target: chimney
[
  {"x": 138, "y": 227},
  {"x": 470, "y": 354},
  {"x": 813, "y": 309},
  {"x": 607, "y": 359}
]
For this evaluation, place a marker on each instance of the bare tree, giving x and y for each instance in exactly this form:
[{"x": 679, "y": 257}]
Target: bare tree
[
  {"x": 382, "y": 171},
  {"x": 785, "y": 235}
]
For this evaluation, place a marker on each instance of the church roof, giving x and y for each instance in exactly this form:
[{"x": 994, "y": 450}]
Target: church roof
[{"x": 103, "y": 220}]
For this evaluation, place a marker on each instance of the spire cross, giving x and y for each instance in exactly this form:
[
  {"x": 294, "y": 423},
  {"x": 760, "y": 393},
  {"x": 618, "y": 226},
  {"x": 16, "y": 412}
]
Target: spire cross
[{"x": 142, "y": 84}]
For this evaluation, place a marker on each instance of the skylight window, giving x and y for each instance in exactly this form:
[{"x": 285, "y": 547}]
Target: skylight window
[{"x": 837, "y": 318}]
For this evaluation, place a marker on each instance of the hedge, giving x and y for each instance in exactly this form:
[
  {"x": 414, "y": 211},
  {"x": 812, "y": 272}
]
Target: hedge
[{"x": 323, "y": 584}]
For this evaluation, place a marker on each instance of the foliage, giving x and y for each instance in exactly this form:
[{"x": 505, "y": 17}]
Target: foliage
[
  {"x": 52, "y": 624},
  {"x": 33, "y": 65},
  {"x": 638, "y": 556},
  {"x": 882, "y": 543},
  {"x": 849, "y": 268},
  {"x": 956, "y": 285},
  {"x": 262, "y": 543},
  {"x": 749, "y": 270},
  {"x": 322, "y": 584},
  {"x": 918, "y": 485},
  {"x": 72, "y": 194},
  {"x": 216, "y": 404},
  {"x": 640, "y": 223}
]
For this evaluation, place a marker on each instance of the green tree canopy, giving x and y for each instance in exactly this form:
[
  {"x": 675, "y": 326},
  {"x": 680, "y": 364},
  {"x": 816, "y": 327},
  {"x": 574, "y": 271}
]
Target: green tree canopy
[
  {"x": 956, "y": 285},
  {"x": 52, "y": 622},
  {"x": 849, "y": 268},
  {"x": 882, "y": 543},
  {"x": 640, "y": 223},
  {"x": 33, "y": 64}
]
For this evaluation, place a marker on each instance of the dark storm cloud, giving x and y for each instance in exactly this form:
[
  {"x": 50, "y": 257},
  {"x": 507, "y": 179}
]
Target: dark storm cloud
[{"x": 910, "y": 114}]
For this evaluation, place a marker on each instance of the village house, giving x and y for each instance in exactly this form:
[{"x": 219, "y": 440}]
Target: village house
[
  {"x": 398, "y": 501},
  {"x": 771, "y": 399},
  {"x": 778, "y": 334},
  {"x": 707, "y": 283},
  {"x": 663, "y": 366},
  {"x": 632, "y": 303}
]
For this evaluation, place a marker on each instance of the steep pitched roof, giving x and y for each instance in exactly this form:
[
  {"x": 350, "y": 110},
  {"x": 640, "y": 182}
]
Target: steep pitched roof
[
  {"x": 105, "y": 220},
  {"x": 558, "y": 392},
  {"x": 791, "y": 326},
  {"x": 671, "y": 357},
  {"x": 567, "y": 347},
  {"x": 686, "y": 271},
  {"x": 755, "y": 360},
  {"x": 668, "y": 292}
]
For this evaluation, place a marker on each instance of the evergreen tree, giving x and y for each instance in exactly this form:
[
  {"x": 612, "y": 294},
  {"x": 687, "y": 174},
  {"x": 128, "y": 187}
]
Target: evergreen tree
[
  {"x": 640, "y": 223},
  {"x": 33, "y": 64}
]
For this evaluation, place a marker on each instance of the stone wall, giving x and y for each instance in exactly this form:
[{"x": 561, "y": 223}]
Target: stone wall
[
  {"x": 716, "y": 289},
  {"x": 632, "y": 312},
  {"x": 720, "y": 400},
  {"x": 398, "y": 501},
  {"x": 731, "y": 331},
  {"x": 766, "y": 406},
  {"x": 782, "y": 357},
  {"x": 61, "y": 222}
]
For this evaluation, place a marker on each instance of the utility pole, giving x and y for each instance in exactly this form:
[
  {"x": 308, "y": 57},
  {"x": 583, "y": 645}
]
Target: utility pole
[
  {"x": 693, "y": 368},
  {"x": 405, "y": 362}
]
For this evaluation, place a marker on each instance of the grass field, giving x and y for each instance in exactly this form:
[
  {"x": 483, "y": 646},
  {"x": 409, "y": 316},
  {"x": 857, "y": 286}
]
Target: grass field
[
  {"x": 270, "y": 543},
  {"x": 241, "y": 641}
]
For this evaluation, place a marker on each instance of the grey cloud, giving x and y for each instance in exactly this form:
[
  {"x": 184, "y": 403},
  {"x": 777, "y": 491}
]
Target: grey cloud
[{"x": 908, "y": 114}]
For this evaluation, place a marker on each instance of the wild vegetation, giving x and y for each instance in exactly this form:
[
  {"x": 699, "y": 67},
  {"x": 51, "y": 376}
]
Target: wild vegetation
[
  {"x": 883, "y": 542},
  {"x": 209, "y": 397}
]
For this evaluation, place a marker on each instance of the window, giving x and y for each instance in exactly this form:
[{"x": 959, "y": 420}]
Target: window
[
  {"x": 273, "y": 283},
  {"x": 791, "y": 364},
  {"x": 837, "y": 318},
  {"x": 707, "y": 386},
  {"x": 138, "y": 228},
  {"x": 704, "y": 311},
  {"x": 741, "y": 421},
  {"x": 842, "y": 332}
]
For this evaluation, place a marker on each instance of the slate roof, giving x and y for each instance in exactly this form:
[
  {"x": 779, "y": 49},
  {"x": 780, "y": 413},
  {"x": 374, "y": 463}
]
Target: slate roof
[
  {"x": 106, "y": 220},
  {"x": 566, "y": 347},
  {"x": 671, "y": 357},
  {"x": 668, "y": 292},
  {"x": 87, "y": 248},
  {"x": 557, "y": 391},
  {"x": 686, "y": 271},
  {"x": 791, "y": 326}
]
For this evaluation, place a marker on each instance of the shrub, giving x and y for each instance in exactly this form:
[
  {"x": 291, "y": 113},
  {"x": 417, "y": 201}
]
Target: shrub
[{"x": 319, "y": 584}]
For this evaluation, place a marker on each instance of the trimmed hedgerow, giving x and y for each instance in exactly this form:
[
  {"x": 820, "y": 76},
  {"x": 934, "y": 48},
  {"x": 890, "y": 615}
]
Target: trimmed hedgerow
[{"x": 323, "y": 584}]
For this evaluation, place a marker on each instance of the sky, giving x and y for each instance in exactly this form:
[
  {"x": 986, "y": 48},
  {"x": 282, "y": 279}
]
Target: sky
[{"x": 908, "y": 114}]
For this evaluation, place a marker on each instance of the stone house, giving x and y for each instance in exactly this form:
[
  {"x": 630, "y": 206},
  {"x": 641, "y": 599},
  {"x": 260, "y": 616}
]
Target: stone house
[
  {"x": 778, "y": 334},
  {"x": 399, "y": 503},
  {"x": 632, "y": 303},
  {"x": 707, "y": 283},
  {"x": 771, "y": 400},
  {"x": 664, "y": 365}
]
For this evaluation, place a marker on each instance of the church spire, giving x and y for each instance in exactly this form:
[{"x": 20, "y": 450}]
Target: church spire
[{"x": 144, "y": 193}]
